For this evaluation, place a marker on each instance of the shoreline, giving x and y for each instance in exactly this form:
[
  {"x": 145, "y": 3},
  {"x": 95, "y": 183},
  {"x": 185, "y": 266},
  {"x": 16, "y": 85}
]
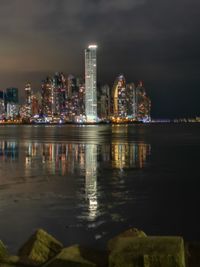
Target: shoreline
[
  {"x": 95, "y": 124},
  {"x": 129, "y": 248}
]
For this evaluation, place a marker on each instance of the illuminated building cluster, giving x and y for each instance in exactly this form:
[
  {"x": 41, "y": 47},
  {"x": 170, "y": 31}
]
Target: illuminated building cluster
[
  {"x": 129, "y": 103},
  {"x": 53, "y": 95},
  {"x": 62, "y": 98},
  {"x": 66, "y": 98}
]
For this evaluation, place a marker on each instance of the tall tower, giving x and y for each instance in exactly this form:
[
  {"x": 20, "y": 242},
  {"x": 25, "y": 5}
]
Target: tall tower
[
  {"x": 91, "y": 83},
  {"x": 28, "y": 94}
]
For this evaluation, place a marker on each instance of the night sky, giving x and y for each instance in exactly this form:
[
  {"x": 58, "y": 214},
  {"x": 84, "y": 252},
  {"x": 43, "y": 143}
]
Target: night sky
[{"x": 156, "y": 41}]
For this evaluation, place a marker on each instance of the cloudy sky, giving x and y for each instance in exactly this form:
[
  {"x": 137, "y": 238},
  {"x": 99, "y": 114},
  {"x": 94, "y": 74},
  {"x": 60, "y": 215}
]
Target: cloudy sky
[{"x": 156, "y": 41}]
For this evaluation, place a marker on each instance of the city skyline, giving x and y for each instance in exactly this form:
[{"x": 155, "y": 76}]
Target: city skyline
[
  {"x": 63, "y": 99},
  {"x": 135, "y": 38}
]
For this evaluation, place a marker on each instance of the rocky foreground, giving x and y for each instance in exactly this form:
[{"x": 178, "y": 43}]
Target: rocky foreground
[{"x": 132, "y": 248}]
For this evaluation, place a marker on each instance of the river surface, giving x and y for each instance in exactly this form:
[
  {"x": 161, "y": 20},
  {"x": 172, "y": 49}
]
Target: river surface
[{"x": 85, "y": 184}]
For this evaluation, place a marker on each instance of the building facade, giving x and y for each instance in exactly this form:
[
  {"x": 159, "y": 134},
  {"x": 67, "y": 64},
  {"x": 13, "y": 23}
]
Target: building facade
[
  {"x": 131, "y": 101},
  {"x": 119, "y": 105},
  {"x": 104, "y": 102},
  {"x": 12, "y": 95},
  {"x": 2, "y": 105},
  {"x": 91, "y": 83},
  {"x": 143, "y": 104},
  {"x": 12, "y": 103}
]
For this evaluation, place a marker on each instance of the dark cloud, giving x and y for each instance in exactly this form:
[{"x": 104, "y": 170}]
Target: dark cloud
[{"x": 154, "y": 40}]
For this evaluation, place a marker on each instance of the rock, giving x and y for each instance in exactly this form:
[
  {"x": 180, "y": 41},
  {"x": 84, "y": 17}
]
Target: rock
[
  {"x": 40, "y": 248},
  {"x": 10, "y": 261},
  {"x": 70, "y": 257},
  {"x": 148, "y": 252},
  {"x": 3, "y": 251},
  {"x": 132, "y": 232}
]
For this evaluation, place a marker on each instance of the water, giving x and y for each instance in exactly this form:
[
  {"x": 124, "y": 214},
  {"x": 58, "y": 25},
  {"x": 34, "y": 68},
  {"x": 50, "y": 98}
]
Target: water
[{"x": 85, "y": 184}]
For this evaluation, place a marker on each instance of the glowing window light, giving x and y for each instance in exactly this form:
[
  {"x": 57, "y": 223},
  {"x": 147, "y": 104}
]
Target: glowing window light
[{"x": 92, "y": 46}]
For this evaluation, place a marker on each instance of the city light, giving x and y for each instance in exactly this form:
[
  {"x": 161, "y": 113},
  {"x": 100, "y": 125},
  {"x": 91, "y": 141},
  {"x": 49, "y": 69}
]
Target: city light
[
  {"x": 69, "y": 99},
  {"x": 92, "y": 46}
]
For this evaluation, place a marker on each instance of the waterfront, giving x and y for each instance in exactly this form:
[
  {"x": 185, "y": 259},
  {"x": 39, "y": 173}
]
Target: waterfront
[{"x": 85, "y": 184}]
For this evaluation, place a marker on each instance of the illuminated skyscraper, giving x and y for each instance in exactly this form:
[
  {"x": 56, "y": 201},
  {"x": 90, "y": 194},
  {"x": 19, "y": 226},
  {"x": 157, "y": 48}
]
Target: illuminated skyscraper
[
  {"x": 131, "y": 101},
  {"x": 59, "y": 93},
  {"x": 143, "y": 103},
  {"x": 91, "y": 83},
  {"x": 119, "y": 97},
  {"x": 28, "y": 94},
  {"x": 27, "y": 107}
]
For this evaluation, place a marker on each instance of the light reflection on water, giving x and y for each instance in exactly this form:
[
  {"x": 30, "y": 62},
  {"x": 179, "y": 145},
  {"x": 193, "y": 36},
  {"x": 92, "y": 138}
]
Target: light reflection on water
[
  {"x": 75, "y": 159},
  {"x": 86, "y": 184},
  {"x": 63, "y": 158},
  {"x": 43, "y": 159},
  {"x": 71, "y": 180}
]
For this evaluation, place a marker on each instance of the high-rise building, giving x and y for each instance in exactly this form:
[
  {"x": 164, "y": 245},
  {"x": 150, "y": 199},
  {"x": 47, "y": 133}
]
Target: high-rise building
[
  {"x": 91, "y": 83},
  {"x": 12, "y": 95},
  {"x": 2, "y": 105},
  {"x": 71, "y": 85},
  {"x": 28, "y": 93},
  {"x": 59, "y": 93},
  {"x": 131, "y": 101},
  {"x": 104, "y": 102},
  {"x": 54, "y": 95},
  {"x": 119, "y": 97},
  {"x": 143, "y": 103},
  {"x": 47, "y": 97},
  {"x": 72, "y": 97},
  {"x": 12, "y": 110},
  {"x": 12, "y": 103},
  {"x": 36, "y": 101}
]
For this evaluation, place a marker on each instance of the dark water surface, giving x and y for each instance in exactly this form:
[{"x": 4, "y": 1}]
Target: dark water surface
[{"x": 85, "y": 184}]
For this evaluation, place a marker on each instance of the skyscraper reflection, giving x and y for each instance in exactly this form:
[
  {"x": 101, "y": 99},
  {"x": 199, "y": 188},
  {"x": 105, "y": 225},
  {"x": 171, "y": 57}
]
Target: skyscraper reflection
[
  {"x": 46, "y": 161},
  {"x": 80, "y": 159},
  {"x": 129, "y": 155},
  {"x": 8, "y": 150},
  {"x": 91, "y": 180}
]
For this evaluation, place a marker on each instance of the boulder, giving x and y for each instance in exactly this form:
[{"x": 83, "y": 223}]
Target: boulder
[
  {"x": 10, "y": 261},
  {"x": 70, "y": 257},
  {"x": 3, "y": 251},
  {"x": 132, "y": 232},
  {"x": 40, "y": 248},
  {"x": 148, "y": 252},
  {"x": 7, "y": 260}
]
